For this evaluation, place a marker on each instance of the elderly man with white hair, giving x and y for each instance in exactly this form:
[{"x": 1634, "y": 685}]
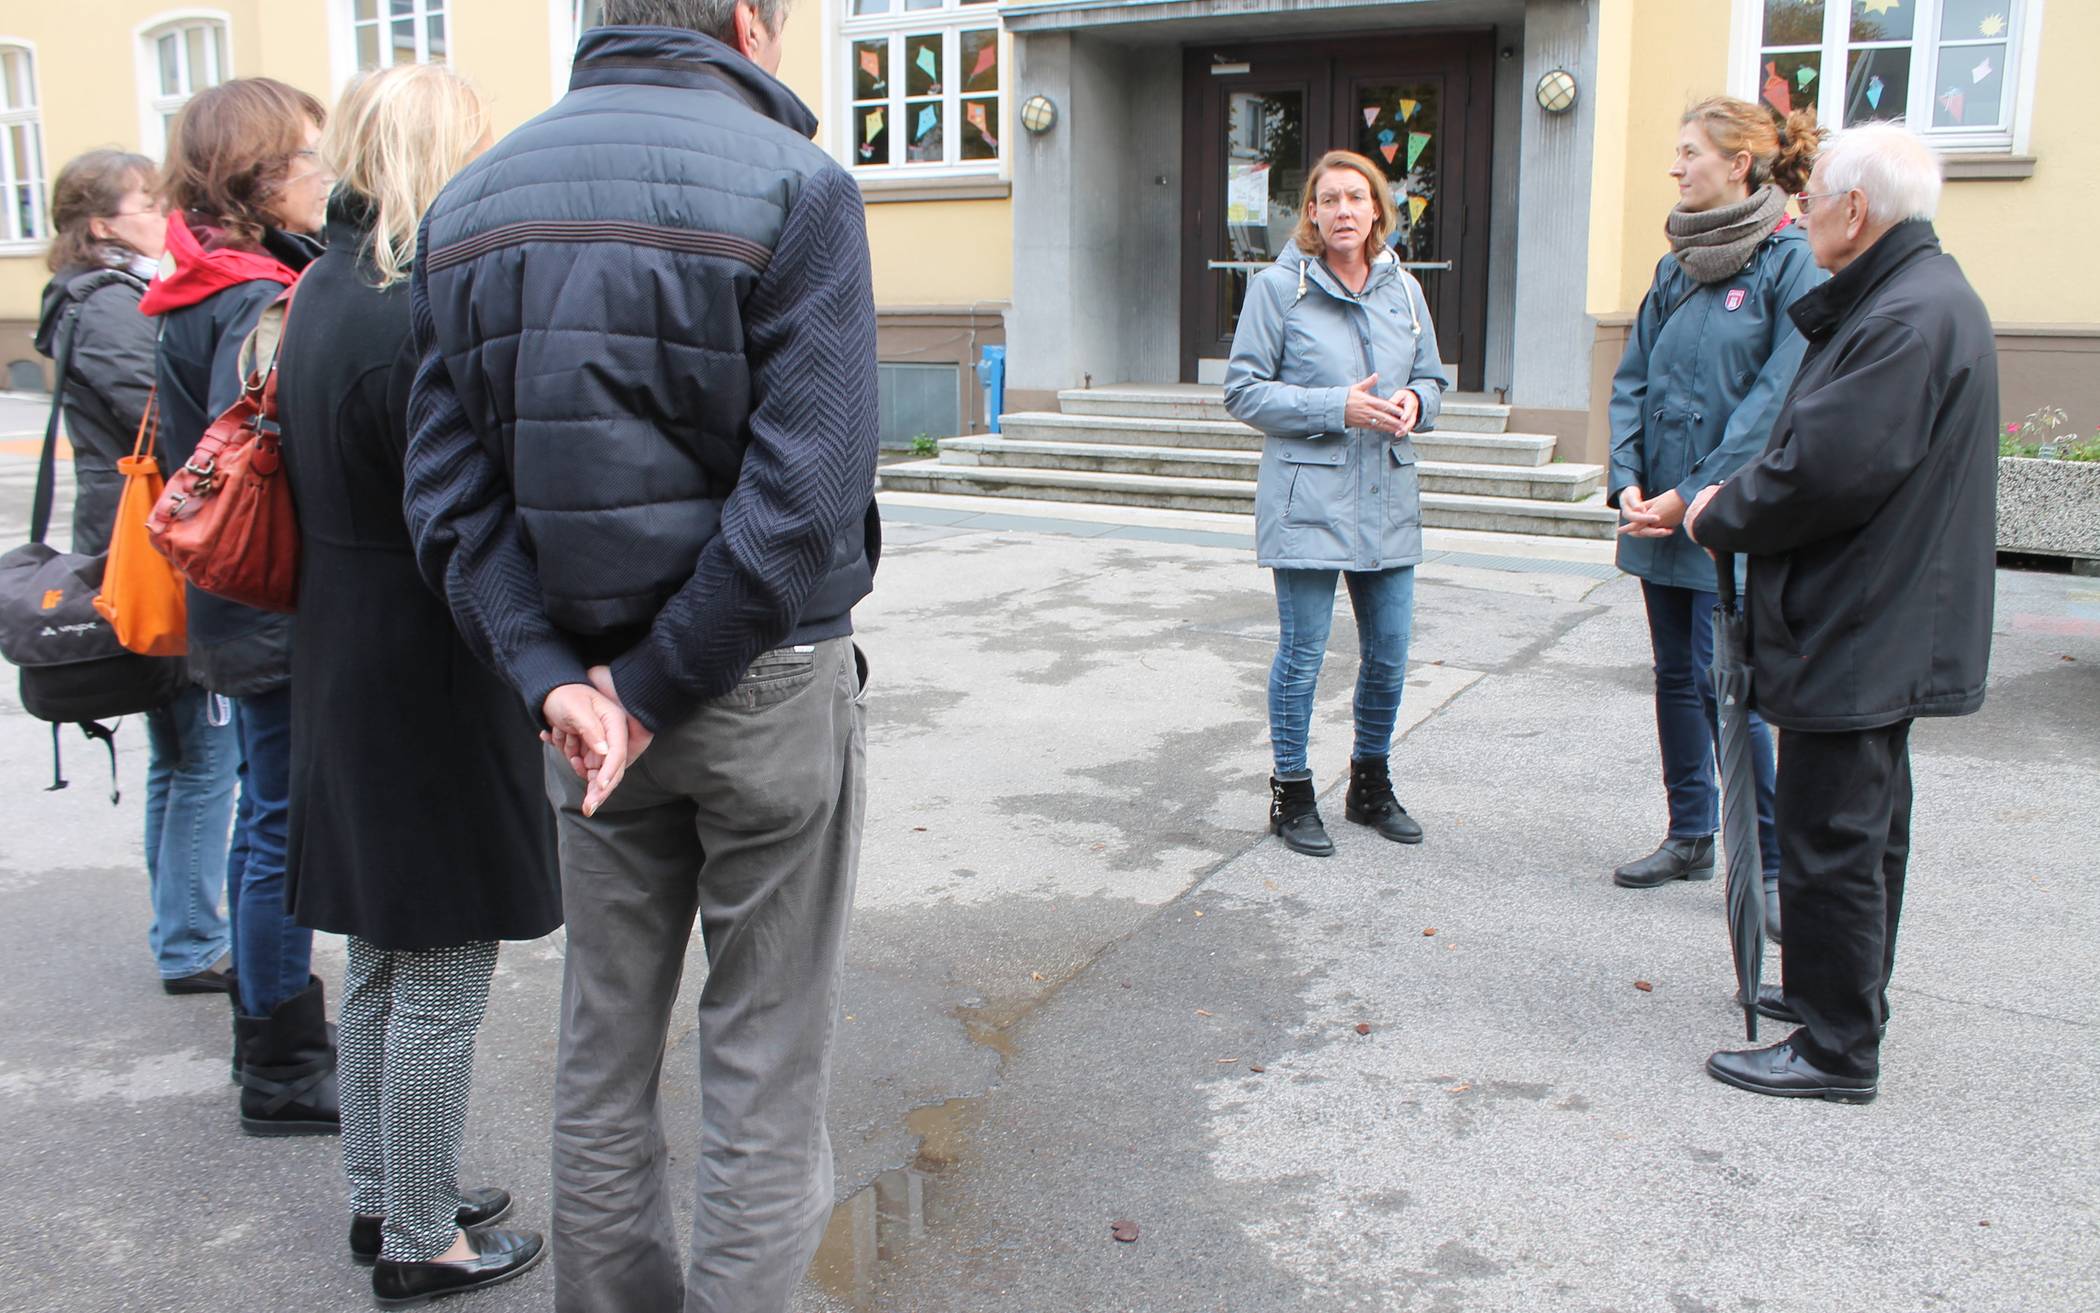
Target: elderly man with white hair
[{"x": 1869, "y": 523}]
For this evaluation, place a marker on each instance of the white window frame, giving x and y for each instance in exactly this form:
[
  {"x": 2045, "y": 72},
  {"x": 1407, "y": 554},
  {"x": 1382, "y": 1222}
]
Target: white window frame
[
  {"x": 11, "y": 241},
  {"x": 343, "y": 25},
  {"x": 565, "y": 28},
  {"x": 2022, "y": 41},
  {"x": 842, "y": 29},
  {"x": 145, "y": 42}
]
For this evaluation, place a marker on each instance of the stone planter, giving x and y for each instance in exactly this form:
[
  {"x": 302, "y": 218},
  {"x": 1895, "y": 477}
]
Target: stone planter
[{"x": 2049, "y": 507}]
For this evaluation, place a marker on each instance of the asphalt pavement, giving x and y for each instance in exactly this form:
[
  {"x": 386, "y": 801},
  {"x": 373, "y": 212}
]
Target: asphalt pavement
[{"x": 1085, "y": 988}]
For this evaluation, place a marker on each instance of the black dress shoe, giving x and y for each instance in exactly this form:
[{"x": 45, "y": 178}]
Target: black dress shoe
[
  {"x": 214, "y": 979},
  {"x": 1294, "y": 817},
  {"x": 1782, "y": 1071},
  {"x": 476, "y": 1208},
  {"x": 1677, "y": 859},
  {"x": 1771, "y": 1002},
  {"x": 1370, "y": 801},
  {"x": 498, "y": 1256}
]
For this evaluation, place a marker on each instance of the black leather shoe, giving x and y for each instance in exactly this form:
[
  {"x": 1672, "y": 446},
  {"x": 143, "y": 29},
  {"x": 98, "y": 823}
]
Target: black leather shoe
[
  {"x": 1785, "y": 1073},
  {"x": 1771, "y": 1002},
  {"x": 1772, "y": 912},
  {"x": 1677, "y": 859},
  {"x": 1294, "y": 817},
  {"x": 214, "y": 979},
  {"x": 1370, "y": 801},
  {"x": 476, "y": 1208},
  {"x": 499, "y": 1256}
]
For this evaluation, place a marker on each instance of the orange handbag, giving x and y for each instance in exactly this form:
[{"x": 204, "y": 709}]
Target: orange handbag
[
  {"x": 141, "y": 594},
  {"x": 226, "y": 519}
]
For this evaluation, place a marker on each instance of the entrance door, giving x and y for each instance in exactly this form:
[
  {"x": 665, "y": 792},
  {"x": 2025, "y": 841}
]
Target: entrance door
[{"x": 1260, "y": 115}]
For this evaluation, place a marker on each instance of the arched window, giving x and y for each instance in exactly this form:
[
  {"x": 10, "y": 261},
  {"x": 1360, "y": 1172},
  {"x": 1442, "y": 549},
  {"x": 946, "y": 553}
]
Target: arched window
[
  {"x": 21, "y": 148},
  {"x": 178, "y": 57}
]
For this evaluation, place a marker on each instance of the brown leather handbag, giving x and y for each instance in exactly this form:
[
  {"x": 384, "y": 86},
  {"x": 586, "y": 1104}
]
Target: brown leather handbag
[{"x": 225, "y": 520}]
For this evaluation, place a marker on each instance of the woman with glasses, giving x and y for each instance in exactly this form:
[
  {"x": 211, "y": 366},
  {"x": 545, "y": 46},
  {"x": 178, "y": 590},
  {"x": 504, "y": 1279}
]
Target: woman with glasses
[
  {"x": 1336, "y": 362},
  {"x": 247, "y": 193},
  {"x": 1708, "y": 363},
  {"x": 110, "y": 232}
]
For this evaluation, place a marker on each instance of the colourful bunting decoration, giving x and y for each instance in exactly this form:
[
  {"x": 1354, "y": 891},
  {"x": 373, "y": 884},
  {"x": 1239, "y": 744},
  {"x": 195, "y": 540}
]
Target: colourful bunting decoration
[
  {"x": 873, "y": 126},
  {"x": 930, "y": 62},
  {"x": 1417, "y": 142},
  {"x": 1387, "y": 137},
  {"x": 1952, "y": 102},
  {"x": 1875, "y": 86},
  {"x": 1415, "y": 206},
  {"x": 986, "y": 59},
  {"x": 1777, "y": 94},
  {"x": 1370, "y": 115},
  {"x": 1389, "y": 150},
  {"x": 1804, "y": 76},
  {"x": 1982, "y": 71},
  {"x": 1408, "y": 108},
  {"x": 929, "y": 119}
]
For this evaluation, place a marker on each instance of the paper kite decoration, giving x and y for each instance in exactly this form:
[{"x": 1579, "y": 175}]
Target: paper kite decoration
[
  {"x": 974, "y": 111},
  {"x": 873, "y": 126},
  {"x": 1387, "y": 137},
  {"x": 1992, "y": 25},
  {"x": 1417, "y": 142},
  {"x": 871, "y": 64},
  {"x": 1389, "y": 150},
  {"x": 1875, "y": 86},
  {"x": 929, "y": 119},
  {"x": 1776, "y": 93},
  {"x": 1408, "y": 108},
  {"x": 986, "y": 58},
  {"x": 1370, "y": 115},
  {"x": 1805, "y": 76},
  {"x": 929, "y": 61},
  {"x": 1952, "y": 102},
  {"x": 1415, "y": 206},
  {"x": 1982, "y": 71}
]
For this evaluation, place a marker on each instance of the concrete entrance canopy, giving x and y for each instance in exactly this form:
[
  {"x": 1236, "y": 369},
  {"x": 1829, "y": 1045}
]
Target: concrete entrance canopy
[{"x": 1101, "y": 200}]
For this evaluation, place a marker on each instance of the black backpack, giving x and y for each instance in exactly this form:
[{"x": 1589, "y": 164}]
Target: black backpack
[{"x": 72, "y": 667}]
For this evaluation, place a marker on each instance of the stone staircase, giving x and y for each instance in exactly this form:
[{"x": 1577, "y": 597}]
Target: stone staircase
[{"x": 1173, "y": 446}]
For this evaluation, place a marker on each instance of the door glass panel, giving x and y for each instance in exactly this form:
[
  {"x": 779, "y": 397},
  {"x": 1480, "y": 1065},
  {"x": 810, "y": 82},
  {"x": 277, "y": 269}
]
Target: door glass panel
[
  {"x": 1264, "y": 179},
  {"x": 1399, "y": 126}
]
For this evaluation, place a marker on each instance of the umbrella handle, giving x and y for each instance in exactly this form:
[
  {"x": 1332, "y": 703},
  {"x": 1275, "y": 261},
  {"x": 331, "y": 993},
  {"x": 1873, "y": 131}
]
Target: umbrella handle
[{"x": 1724, "y": 579}]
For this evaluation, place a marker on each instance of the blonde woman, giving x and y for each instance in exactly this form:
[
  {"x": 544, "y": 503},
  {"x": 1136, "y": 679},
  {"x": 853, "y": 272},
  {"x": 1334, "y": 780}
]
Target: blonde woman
[{"x": 419, "y": 823}]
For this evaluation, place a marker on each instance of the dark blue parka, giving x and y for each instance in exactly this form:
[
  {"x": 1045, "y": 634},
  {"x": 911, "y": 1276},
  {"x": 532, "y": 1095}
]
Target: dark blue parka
[{"x": 1704, "y": 373}]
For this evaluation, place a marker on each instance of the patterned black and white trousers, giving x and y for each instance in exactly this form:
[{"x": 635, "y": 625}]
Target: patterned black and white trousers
[{"x": 404, "y": 1068}]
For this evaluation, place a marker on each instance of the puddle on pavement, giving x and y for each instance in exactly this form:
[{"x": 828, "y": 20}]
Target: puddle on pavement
[{"x": 892, "y": 1213}]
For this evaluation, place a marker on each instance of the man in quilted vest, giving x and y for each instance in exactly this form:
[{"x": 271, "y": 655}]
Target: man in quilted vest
[{"x": 641, "y": 468}]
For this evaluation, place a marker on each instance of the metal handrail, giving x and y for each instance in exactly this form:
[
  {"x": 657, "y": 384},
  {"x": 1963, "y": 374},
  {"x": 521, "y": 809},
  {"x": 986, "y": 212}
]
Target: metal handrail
[{"x": 1443, "y": 265}]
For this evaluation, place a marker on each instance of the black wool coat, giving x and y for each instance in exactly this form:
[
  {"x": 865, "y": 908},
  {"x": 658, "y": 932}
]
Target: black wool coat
[
  {"x": 419, "y": 812},
  {"x": 1871, "y": 518}
]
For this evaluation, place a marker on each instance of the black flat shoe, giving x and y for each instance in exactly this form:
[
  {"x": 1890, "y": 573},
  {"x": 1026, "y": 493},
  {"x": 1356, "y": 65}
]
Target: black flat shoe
[
  {"x": 1677, "y": 859},
  {"x": 214, "y": 979},
  {"x": 1783, "y": 1072},
  {"x": 1294, "y": 817},
  {"x": 1370, "y": 801},
  {"x": 476, "y": 1208},
  {"x": 498, "y": 1256}
]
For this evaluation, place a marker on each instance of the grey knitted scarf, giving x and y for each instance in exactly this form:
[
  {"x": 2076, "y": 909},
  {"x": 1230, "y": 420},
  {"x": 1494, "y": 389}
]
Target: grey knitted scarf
[{"x": 1715, "y": 244}]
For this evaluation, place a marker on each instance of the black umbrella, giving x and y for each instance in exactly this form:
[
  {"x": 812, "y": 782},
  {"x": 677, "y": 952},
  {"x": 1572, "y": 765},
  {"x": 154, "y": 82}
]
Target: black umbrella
[{"x": 1746, "y": 902}]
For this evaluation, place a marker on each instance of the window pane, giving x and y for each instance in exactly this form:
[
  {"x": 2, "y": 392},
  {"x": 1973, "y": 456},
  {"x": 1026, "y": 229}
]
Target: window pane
[
  {"x": 922, "y": 4},
  {"x": 404, "y": 40},
  {"x": 1971, "y": 90},
  {"x": 25, "y": 211},
  {"x": 1790, "y": 81},
  {"x": 871, "y": 134},
  {"x": 436, "y": 26},
  {"x": 219, "y": 70},
  {"x": 980, "y": 2},
  {"x": 1878, "y": 85},
  {"x": 1883, "y": 20},
  {"x": 14, "y": 69},
  {"x": 366, "y": 11},
  {"x": 922, "y": 65},
  {"x": 927, "y": 145},
  {"x": 1794, "y": 22},
  {"x": 980, "y": 60},
  {"x": 871, "y": 69},
  {"x": 404, "y": 8},
  {"x": 368, "y": 46},
  {"x": 980, "y": 132},
  {"x": 170, "y": 65},
  {"x": 193, "y": 45},
  {"x": 1966, "y": 20},
  {"x": 871, "y": 6}
]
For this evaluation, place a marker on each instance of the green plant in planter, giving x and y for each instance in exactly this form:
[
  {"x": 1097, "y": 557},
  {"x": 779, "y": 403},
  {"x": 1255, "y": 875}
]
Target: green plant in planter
[
  {"x": 2036, "y": 435},
  {"x": 925, "y": 444}
]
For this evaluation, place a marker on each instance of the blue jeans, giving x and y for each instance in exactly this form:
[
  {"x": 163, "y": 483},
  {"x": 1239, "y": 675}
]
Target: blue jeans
[
  {"x": 273, "y": 953},
  {"x": 190, "y": 766},
  {"x": 1687, "y": 724},
  {"x": 1384, "y": 602}
]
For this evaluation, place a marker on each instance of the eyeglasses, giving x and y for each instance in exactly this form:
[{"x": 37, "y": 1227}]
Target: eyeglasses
[{"x": 1806, "y": 199}]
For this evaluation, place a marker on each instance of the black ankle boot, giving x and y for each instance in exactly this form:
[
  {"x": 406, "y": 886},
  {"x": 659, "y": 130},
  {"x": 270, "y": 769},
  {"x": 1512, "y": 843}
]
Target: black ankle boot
[
  {"x": 1677, "y": 859},
  {"x": 287, "y": 1063},
  {"x": 1294, "y": 817},
  {"x": 1371, "y": 801}
]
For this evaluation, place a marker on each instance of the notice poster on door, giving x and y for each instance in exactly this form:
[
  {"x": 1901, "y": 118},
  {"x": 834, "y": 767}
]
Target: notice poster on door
[{"x": 1247, "y": 194}]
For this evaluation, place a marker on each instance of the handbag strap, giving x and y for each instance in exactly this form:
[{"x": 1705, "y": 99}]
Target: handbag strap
[
  {"x": 47, "y": 467},
  {"x": 149, "y": 426}
]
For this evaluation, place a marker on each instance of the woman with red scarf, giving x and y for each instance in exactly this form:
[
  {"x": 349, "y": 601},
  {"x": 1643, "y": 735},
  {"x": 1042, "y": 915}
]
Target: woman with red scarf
[{"x": 246, "y": 193}]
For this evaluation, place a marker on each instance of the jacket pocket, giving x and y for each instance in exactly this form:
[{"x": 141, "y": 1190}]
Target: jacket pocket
[
  {"x": 1403, "y": 502},
  {"x": 1312, "y": 479}
]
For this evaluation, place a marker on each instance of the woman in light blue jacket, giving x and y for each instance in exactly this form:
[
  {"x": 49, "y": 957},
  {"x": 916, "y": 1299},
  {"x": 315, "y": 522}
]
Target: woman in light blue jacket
[
  {"x": 1710, "y": 359},
  {"x": 1335, "y": 360}
]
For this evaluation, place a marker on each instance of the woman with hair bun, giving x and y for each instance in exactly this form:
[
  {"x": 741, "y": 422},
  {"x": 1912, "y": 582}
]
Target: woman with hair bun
[{"x": 1710, "y": 358}]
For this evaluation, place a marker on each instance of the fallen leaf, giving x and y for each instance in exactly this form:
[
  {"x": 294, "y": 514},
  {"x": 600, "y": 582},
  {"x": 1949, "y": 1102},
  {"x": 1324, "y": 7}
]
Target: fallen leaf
[
  {"x": 1201, "y": 1013},
  {"x": 1199, "y": 914},
  {"x": 1429, "y": 933},
  {"x": 1227, "y": 1062},
  {"x": 1987, "y": 1223},
  {"x": 1035, "y": 975},
  {"x": 918, "y": 829},
  {"x": 1644, "y": 986},
  {"x": 1124, "y": 1230},
  {"x": 1363, "y": 1027},
  {"x": 1126, "y": 984},
  {"x": 1460, "y": 1088},
  {"x": 1256, "y": 1068},
  {"x": 1271, "y": 884}
]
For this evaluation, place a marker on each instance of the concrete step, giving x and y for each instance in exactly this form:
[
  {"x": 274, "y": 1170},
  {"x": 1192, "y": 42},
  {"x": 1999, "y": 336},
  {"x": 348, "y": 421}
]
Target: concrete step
[
  {"x": 1462, "y": 413},
  {"x": 1231, "y": 435},
  {"x": 1590, "y": 518},
  {"x": 1565, "y": 483}
]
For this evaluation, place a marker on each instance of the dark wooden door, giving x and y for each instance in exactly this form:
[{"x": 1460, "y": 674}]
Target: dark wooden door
[{"x": 1258, "y": 117}]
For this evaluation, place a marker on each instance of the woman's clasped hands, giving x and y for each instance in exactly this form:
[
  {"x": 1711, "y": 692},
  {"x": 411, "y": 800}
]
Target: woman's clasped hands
[{"x": 1365, "y": 409}]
